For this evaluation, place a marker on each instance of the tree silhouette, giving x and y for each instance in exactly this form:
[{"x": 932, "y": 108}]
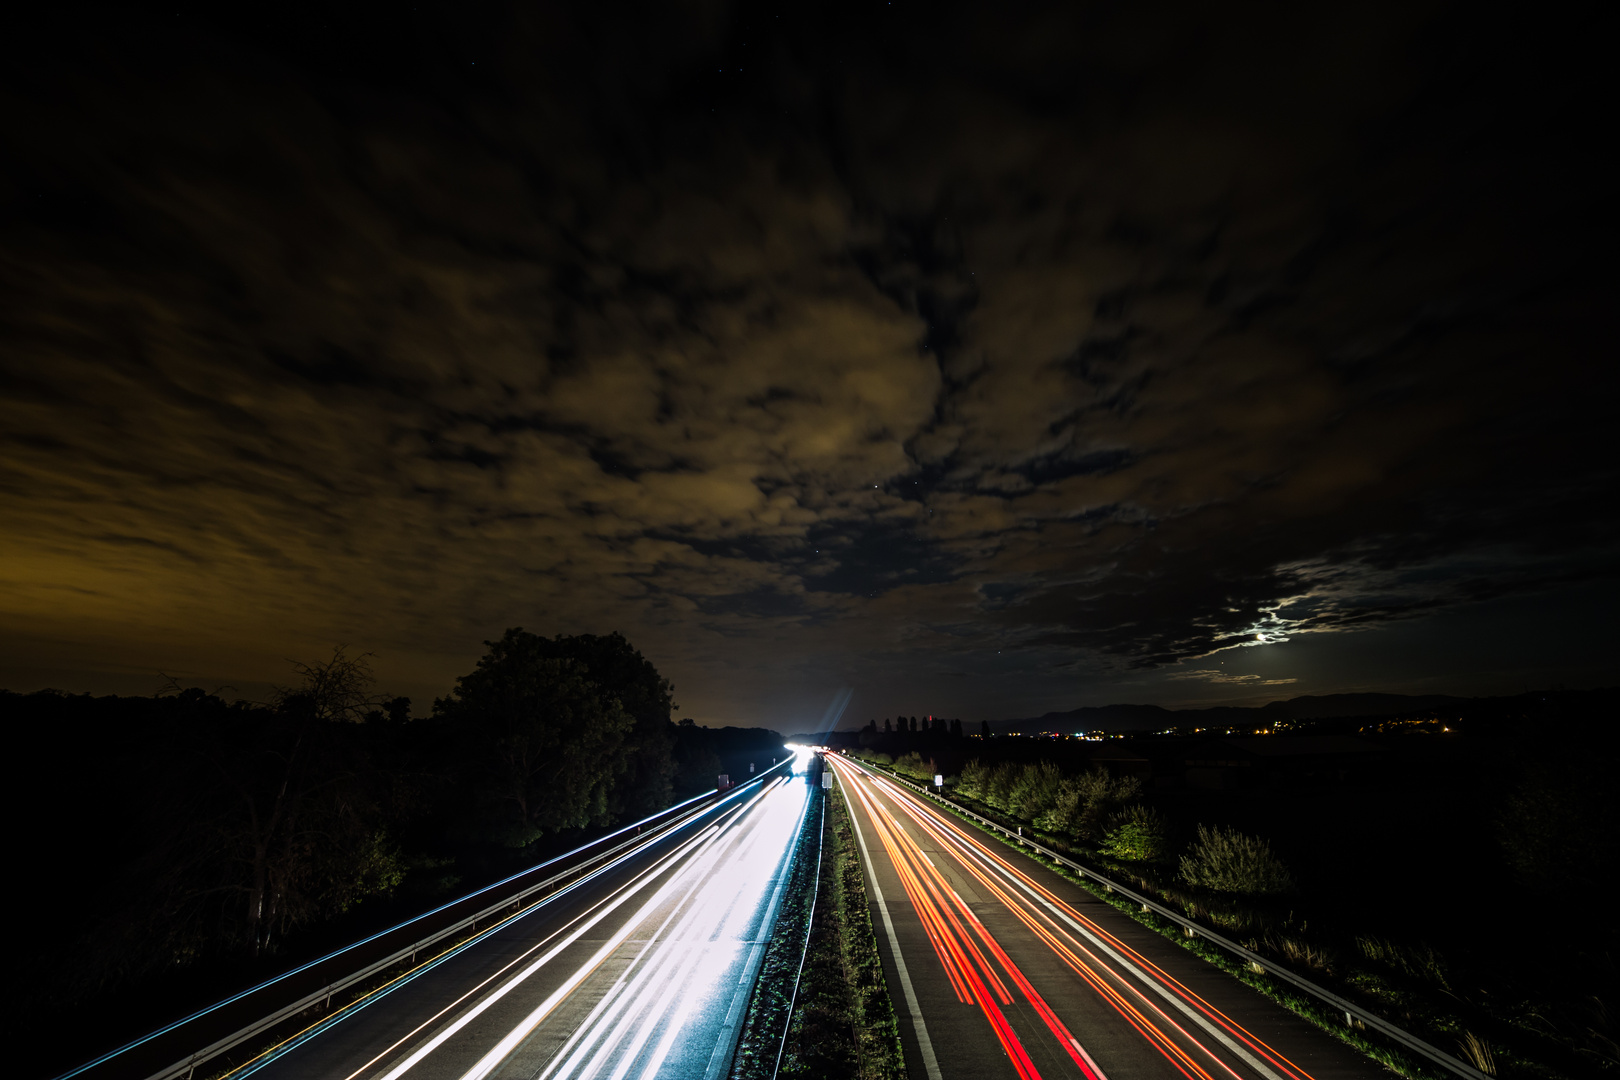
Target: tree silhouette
[
  {"x": 620, "y": 671},
  {"x": 539, "y": 744}
]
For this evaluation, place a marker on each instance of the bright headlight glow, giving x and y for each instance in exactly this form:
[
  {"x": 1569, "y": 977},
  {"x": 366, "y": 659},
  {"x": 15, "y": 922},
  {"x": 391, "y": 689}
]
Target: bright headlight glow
[
  {"x": 658, "y": 1015},
  {"x": 801, "y": 756}
]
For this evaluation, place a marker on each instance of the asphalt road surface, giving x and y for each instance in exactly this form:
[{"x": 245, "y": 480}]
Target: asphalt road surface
[
  {"x": 644, "y": 971},
  {"x": 1001, "y": 968}
]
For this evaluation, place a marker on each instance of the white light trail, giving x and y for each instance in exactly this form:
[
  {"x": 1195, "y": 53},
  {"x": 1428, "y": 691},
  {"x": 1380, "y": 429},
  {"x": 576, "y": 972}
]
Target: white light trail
[
  {"x": 706, "y": 917},
  {"x": 701, "y": 841}
]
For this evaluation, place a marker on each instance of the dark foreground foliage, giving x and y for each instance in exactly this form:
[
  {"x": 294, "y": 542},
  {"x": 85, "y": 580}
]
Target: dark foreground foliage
[
  {"x": 191, "y": 846},
  {"x": 1386, "y": 882}
]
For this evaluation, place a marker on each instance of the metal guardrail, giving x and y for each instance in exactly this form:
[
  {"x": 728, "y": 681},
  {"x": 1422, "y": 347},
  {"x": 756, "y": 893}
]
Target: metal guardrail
[
  {"x": 660, "y": 823},
  {"x": 1349, "y": 1008}
]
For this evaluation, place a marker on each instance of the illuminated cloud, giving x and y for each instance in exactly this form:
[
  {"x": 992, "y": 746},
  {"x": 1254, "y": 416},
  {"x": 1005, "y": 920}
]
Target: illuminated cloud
[
  {"x": 878, "y": 371},
  {"x": 1222, "y": 678}
]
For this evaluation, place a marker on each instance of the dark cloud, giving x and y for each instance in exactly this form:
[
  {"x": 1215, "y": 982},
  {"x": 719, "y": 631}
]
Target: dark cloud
[{"x": 808, "y": 348}]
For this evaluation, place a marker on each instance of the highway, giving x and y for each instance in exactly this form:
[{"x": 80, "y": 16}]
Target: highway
[
  {"x": 1001, "y": 968},
  {"x": 644, "y": 970}
]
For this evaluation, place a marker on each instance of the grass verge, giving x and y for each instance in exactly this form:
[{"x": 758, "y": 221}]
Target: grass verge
[
  {"x": 843, "y": 1024},
  {"x": 778, "y": 978}
]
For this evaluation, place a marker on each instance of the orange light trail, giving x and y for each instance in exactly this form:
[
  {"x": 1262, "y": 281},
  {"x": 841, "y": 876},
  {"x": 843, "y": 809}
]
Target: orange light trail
[
  {"x": 952, "y": 927},
  {"x": 931, "y": 910},
  {"x": 949, "y": 832},
  {"x": 914, "y": 866},
  {"x": 1144, "y": 1025}
]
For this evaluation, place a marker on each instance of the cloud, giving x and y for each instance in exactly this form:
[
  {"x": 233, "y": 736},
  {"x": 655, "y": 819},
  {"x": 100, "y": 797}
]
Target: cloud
[
  {"x": 1088, "y": 347},
  {"x": 1222, "y": 678}
]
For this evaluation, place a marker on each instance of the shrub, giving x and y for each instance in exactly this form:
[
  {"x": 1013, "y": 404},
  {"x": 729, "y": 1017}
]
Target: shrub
[
  {"x": 1065, "y": 810},
  {"x": 1034, "y": 790},
  {"x": 998, "y": 791},
  {"x": 1225, "y": 860},
  {"x": 1081, "y": 804},
  {"x": 1138, "y": 834},
  {"x": 974, "y": 780},
  {"x": 914, "y": 766}
]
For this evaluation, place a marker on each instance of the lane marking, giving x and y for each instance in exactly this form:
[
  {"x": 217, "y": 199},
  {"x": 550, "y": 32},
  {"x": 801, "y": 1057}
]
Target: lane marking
[
  {"x": 1017, "y": 879},
  {"x": 660, "y": 867},
  {"x": 930, "y": 1062},
  {"x": 1089, "y": 1059},
  {"x": 473, "y": 1013},
  {"x": 726, "y": 1043},
  {"x": 697, "y": 870},
  {"x": 928, "y": 894}
]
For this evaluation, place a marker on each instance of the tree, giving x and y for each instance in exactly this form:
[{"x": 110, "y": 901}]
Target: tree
[
  {"x": 297, "y": 827},
  {"x": 620, "y": 671},
  {"x": 888, "y": 726},
  {"x": 984, "y": 728},
  {"x": 1559, "y": 827},
  {"x": 336, "y": 690},
  {"x": 541, "y": 745},
  {"x": 697, "y": 764}
]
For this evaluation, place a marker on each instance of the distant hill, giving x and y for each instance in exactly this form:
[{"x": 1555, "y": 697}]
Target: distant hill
[{"x": 1151, "y": 717}]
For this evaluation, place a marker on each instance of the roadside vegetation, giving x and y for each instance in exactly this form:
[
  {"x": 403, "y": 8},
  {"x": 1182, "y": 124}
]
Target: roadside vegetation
[
  {"x": 1233, "y": 882},
  {"x": 777, "y": 987},
  {"x": 197, "y": 845},
  {"x": 844, "y": 1025}
]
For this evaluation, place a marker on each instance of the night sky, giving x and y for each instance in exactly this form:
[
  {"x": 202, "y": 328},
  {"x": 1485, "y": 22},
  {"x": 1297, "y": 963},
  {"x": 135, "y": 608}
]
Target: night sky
[{"x": 977, "y": 360}]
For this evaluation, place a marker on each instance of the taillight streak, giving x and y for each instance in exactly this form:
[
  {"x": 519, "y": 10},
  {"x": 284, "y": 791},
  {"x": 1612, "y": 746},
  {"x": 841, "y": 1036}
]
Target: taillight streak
[
  {"x": 1226, "y": 1030},
  {"x": 1143, "y": 1024},
  {"x": 928, "y": 908}
]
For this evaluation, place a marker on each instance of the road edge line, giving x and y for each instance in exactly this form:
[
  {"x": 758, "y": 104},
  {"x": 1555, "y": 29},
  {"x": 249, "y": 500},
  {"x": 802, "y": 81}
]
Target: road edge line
[{"x": 930, "y": 1061}]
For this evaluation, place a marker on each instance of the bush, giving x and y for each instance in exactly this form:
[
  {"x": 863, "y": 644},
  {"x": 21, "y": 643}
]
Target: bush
[
  {"x": 1081, "y": 804},
  {"x": 1137, "y": 834},
  {"x": 1066, "y": 809},
  {"x": 1034, "y": 790},
  {"x": 1225, "y": 860},
  {"x": 1558, "y": 828},
  {"x": 999, "y": 788},
  {"x": 974, "y": 780},
  {"x": 914, "y": 766}
]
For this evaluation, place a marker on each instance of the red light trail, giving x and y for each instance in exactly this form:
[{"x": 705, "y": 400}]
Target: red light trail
[{"x": 1141, "y": 993}]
